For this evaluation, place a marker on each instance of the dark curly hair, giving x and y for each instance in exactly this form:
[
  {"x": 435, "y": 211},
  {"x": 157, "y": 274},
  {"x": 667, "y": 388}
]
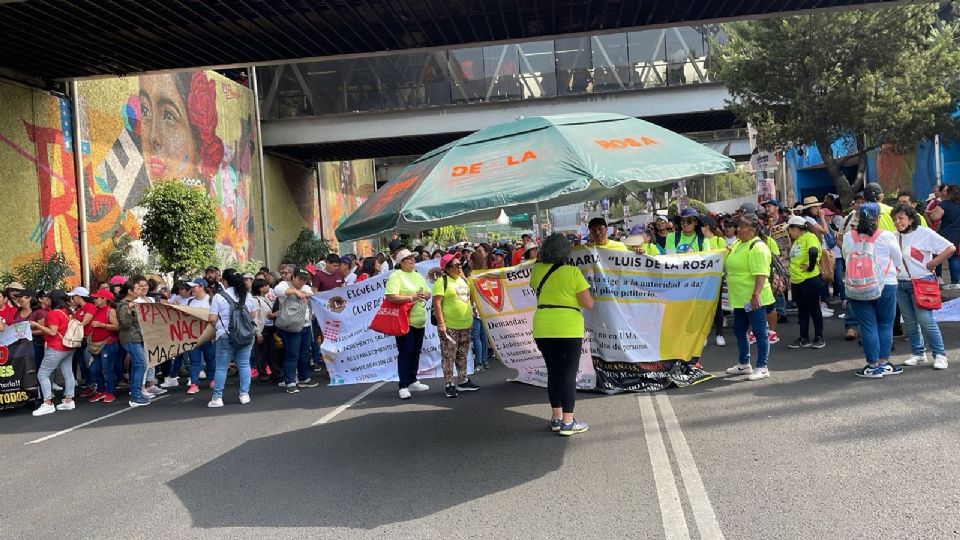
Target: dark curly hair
[{"x": 909, "y": 211}]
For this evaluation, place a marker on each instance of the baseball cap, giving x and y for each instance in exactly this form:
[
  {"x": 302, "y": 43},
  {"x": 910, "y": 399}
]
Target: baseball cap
[
  {"x": 796, "y": 221},
  {"x": 14, "y": 285},
  {"x": 771, "y": 201},
  {"x": 448, "y": 258},
  {"x": 870, "y": 209},
  {"x": 748, "y": 208},
  {"x": 872, "y": 191},
  {"x": 30, "y": 293},
  {"x": 200, "y": 281},
  {"x": 395, "y": 245},
  {"x": 402, "y": 254},
  {"x": 79, "y": 291},
  {"x": 103, "y": 293}
]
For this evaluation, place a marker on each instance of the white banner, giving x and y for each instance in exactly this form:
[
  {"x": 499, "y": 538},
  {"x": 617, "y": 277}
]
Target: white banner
[
  {"x": 14, "y": 333},
  {"x": 356, "y": 354}
]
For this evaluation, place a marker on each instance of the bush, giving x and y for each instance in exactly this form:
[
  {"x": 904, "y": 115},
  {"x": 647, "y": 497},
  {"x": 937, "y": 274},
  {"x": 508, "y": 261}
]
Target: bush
[
  {"x": 120, "y": 262},
  {"x": 697, "y": 205},
  {"x": 308, "y": 248},
  {"x": 42, "y": 274}
]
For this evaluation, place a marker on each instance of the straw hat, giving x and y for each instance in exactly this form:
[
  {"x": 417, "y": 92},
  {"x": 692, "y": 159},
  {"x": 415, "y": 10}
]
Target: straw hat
[{"x": 810, "y": 202}]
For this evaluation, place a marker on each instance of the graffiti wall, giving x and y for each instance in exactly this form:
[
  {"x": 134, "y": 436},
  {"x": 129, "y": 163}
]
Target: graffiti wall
[
  {"x": 344, "y": 185},
  {"x": 192, "y": 127},
  {"x": 292, "y": 203},
  {"x": 37, "y": 182}
]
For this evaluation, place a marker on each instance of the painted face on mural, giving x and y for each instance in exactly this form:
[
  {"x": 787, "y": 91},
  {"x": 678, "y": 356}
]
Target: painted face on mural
[{"x": 170, "y": 149}]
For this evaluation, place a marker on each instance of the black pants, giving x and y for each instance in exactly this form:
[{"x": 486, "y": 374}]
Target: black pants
[
  {"x": 267, "y": 354},
  {"x": 408, "y": 356},
  {"x": 562, "y": 357},
  {"x": 718, "y": 321},
  {"x": 807, "y": 296}
]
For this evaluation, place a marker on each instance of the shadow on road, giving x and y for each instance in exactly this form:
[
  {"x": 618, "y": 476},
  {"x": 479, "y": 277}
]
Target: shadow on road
[{"x": 370, "y": 470}]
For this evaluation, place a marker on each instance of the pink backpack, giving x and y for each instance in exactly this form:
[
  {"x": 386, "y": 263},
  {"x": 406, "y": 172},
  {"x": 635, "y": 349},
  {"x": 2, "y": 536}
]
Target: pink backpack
[{"x": 864, "y": 278}]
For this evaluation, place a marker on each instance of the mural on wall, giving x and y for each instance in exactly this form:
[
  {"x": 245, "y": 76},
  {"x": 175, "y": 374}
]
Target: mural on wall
[
  {"x": 191, "y": 127},
  {"x": 344, "y": 186},
  {"x": 38, "y": 179}
]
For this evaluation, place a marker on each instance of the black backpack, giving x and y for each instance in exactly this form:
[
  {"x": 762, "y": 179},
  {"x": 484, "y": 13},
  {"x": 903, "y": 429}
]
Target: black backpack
[{"x": 241, "y": 329}]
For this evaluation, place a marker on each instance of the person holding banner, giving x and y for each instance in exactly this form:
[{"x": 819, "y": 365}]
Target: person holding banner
[
  {"x": 235, "y": 296},
  {"x": 202, "y": 357},
  {"x": 598, "y": 236},
  {"x": 454, "y": 314},
  {"x": 747, "y": 267},
  {"x": 296, "y": 344},
  {"x": 562, "y": 292},
  {"x": 405, "y": 286},
  {"x": 131, "y": 339},
  {"x": 56, "y": 355}
]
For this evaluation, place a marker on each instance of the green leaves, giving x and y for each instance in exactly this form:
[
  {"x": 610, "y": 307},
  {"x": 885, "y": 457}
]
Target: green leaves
[
  {"x": 180, "y": 227},
  {"x": 42, "y": 274},
  {"x": 881, "y": 76},
  {"x": 306, "y": 249}
]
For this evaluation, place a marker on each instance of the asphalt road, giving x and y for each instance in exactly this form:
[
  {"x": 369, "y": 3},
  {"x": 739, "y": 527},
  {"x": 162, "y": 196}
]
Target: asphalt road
[{"x": 812, "y": 452}]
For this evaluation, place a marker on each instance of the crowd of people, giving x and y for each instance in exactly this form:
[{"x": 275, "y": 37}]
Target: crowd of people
[{"x": 878, "y": 263}]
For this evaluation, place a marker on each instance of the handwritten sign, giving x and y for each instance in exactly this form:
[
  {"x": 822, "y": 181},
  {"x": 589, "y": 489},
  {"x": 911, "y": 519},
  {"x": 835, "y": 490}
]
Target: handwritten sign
[{"x": 169, "y": 331}]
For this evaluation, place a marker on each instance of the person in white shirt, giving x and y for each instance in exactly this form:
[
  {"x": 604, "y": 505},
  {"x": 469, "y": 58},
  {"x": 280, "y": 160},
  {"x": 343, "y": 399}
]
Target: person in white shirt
[
  {"x": 875, "y": 316},
  {"x": 203, "y": 355},
  {"x": 220, "y": 313},
  {"x": 296, "y": 345},
  {"x": 918, "y": 246}
]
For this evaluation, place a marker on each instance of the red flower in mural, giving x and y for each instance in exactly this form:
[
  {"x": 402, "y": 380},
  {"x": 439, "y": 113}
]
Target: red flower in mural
[{"x": 202, "y": 107}]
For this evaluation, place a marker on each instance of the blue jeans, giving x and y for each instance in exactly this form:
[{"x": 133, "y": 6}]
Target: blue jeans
[
  {"x": 209, "y": 352},
  {"x": 478, "y": 336},
  {"x": 314, "y": 345},
  {"x": 138, "y": 368},
  {"x": 103, "y": 370},
  {"x": 919, "y": 323},
  {"x": 296, "y": 354},
  {"x": 757, "y": 320},
  {"x": 954, "y": 263},
  {"x": 52, "y": 361},
  {"x": 780, "y": 303},
  {"x": 876, "y": 324},
  {"x": 226, "y": 353}
]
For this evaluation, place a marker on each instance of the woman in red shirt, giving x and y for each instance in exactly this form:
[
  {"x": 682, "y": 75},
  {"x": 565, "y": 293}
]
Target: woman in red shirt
[
  {"x": 56, "y": 356},
  {"x": 103, "y": 346},
  {"x": 83, "y": 311}
]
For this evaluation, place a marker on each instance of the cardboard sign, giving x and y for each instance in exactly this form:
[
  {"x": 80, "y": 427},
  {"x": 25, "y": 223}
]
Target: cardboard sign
[{"x": 169, "y": 331}]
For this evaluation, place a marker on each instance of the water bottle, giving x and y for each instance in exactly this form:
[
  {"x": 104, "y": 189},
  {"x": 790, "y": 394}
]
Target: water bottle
[{"x": 748, "y": 307}]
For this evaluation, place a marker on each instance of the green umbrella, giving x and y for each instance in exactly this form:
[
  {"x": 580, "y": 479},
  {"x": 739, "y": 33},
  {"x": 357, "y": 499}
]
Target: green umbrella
[{"x": 530, "y": 163}]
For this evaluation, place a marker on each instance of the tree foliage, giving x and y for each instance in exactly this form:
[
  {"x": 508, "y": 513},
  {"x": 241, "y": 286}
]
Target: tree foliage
[
  {"x": 308, "y": 248},
  {"x": 41, "y": 273},
  {"x": 120, "y": 261},
  {"x": 180, "y": 227},
  {"x": 701, "y": 208},
  {"x": 446, "y": 235},
  {"x": 870, "y": 76}
]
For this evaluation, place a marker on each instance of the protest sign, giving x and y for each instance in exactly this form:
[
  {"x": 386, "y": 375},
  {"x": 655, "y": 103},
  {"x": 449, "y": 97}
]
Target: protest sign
[
  {"x": 169, "y": 331},
  {"x": 650, "y": 318},
  {"x": 18, "y": 374},
  {"x": 354, "y": 353}
]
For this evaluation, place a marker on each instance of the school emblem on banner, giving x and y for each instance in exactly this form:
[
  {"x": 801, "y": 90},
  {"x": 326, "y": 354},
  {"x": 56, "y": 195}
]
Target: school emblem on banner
[{"x": 491, "y": 290}]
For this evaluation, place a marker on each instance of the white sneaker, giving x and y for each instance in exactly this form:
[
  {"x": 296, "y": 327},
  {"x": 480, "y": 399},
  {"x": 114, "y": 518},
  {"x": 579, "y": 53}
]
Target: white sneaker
[
  {"x": 721, "y": 342},
  {"x": 65, "y": 406},
  {"x": 826, "y": 312},
  {"x": 740, "y": 369},
  {"x": 56, "y": 387},
  {"x": 404, "y": 393},
  {"x": 170, "y": 382},
  {"x": 148, "y": 395},
  {"x": 244, "y": 399},
  {"x": 916, "y": 359},
  {"x": 759, "y": 373},
  {"x": 203, "y": 374},
  {"x": 45, "y": 409},
  {"x": 155, "y": 390},
  {"x": 417, "y": 386},
  {"x": 215, "y": 403},
  {"x": 939, "y": 361}
]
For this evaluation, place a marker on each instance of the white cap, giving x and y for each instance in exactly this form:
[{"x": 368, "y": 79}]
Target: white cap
[
  {"x": 402, "y": 254},
  {"x": 796, "y": 221},
  {"x": 79, "y": 291}
]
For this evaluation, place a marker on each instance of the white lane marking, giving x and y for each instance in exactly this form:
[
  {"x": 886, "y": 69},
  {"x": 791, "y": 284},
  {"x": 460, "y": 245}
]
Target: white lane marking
[
  {"x": 333, "y": 414},
  {"x": 87, "y": 423},
  {"x": 703, "y": 512},
  {"x": 674, "y": 520}
]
